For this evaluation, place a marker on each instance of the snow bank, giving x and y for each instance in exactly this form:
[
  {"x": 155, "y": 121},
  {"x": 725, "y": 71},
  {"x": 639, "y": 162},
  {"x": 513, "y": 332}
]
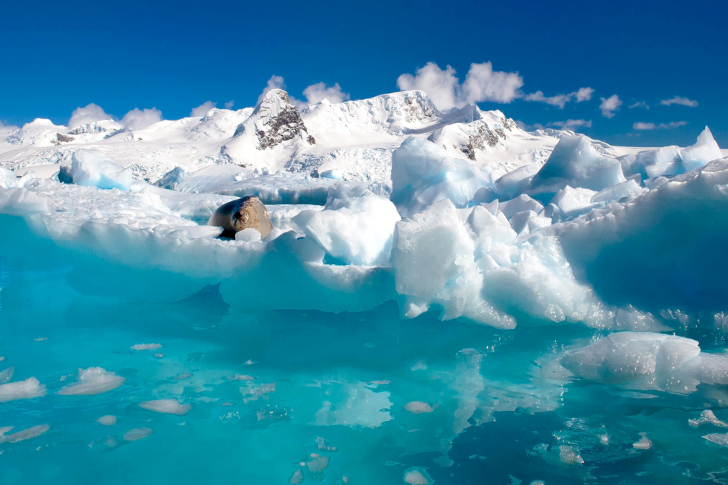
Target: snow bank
[
  {"x": 671, "y": 160},
  {"x": 95, "y": 169},
  {"x": 355, "y": 226},
  {"x": 424, "y": 173},
  {"x": 576, "y": 163},
  {"x": 662, "y": 249},
  {"x": 92, "y": 381}
]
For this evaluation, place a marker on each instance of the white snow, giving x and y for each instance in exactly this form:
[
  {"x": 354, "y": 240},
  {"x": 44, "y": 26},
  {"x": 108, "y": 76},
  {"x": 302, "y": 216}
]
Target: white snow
[
  {"x": 356, "y": 227},
  {"x": 93, "y": 168},
  {"x": 424, "y": 173}
]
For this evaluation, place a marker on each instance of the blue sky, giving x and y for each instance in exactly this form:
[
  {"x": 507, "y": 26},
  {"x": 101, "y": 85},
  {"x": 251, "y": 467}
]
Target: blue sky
[{"x": 175, "y": 56}]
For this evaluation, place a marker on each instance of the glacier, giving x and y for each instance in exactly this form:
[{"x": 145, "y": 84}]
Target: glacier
[{"x": 444, "y": 297}]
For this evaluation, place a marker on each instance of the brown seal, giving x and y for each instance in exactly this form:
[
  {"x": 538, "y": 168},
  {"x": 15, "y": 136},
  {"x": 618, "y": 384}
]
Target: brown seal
[{"x": 236, "y": 215}]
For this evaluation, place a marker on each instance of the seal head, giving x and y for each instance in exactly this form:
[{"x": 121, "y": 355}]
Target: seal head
[{"x": 236, "y": 215}]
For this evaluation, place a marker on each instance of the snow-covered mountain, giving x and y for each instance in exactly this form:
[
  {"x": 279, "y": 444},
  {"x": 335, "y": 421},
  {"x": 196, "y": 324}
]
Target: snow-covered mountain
[{"x": 353, "y": 140}]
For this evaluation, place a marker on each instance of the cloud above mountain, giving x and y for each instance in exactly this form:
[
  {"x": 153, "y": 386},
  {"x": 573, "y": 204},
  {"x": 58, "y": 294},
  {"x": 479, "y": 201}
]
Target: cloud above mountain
[
  {"x": 481, "y": 84},
  {"x": 90, "y": 113},
  {"x": 140, "y": 118},
  {"x": 320, "y": 91},
  {"x": 641, "y": 126},
  {"x": 560, "y": 100},
  {"x": 202, "y": 109},
  {"x": 314, "y": 93}
]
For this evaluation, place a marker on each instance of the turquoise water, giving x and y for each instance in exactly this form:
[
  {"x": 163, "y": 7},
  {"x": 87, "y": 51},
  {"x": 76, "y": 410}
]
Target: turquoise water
[{"x": 335, "y": 386}]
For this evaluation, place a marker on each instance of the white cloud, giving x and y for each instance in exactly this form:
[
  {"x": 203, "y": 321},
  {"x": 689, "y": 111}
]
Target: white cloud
[
  {"x": 6, "y": 129},
  {"x": 88, "y": 114},
  {"x": 560, "y": 100},
  {"x": 202, "y": 109},
  {"x": 481, "y": 84},
  {"x": 319, "y": 91},
  {"x": 137, "y": 118},
  {"x": 583, "y": 94},
  {"x": 230, "y": 104},
  {"x": 573, "y": 125},
  {"x": 275, "y": 82},
  {"x": 679, "y": 100},
  {"x": 662, "y": 126},
  {"x": 639, "y": 104},
  {"x": 610, "y": 105}
]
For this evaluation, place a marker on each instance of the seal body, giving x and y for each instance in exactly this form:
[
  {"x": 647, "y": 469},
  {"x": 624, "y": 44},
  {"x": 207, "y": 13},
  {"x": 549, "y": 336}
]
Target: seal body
[{"x": 236, "y": 215}]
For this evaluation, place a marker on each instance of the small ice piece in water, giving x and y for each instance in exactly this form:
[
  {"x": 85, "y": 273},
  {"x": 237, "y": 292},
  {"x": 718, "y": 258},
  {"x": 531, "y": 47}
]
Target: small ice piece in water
[
  {"x": 417, "y": 476},
  {"x": 26, "y": 434},
  {"x": 240, "y": 377},
  {"x": 570, "y": 456},
  {"x": 317, "y": 463},
  {"x": 323, "y": 445},
  {"x": 183, "y": 376},
  {"x": 92, "y": 381},
  {"x": 256, "y": 392},
  {"x": 137, "y": 434},
  {"x": 418, "y": 407},
  {"x": 26, "y": 389},
  {"x": 146, "y": 346},
  {"x": 643, "y": 444},
  {"x": 296, "y": 478},
  {"x": 6, "y": 375},
  {"x": 166, "y": 406},
  {"x": 709, "y": 417},
  {"x": 718, "y": 438},
  {"x": 108, "y": 420},
  {"x": 158, "y": 355}
]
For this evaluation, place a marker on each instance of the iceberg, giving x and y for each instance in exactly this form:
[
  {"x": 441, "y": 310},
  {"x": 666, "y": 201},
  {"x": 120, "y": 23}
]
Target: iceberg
[
  {"x": 95, "y": 169},
  {"x": 423, "y": 173}
]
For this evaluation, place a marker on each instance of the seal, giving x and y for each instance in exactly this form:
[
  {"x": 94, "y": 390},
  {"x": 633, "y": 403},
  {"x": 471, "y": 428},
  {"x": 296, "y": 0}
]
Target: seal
[{"x": 236, "y": 215}]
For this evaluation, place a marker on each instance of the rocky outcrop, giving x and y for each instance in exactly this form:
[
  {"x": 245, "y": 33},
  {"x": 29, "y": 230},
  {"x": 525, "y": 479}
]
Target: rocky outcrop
[{"x": 278, "y": 121}]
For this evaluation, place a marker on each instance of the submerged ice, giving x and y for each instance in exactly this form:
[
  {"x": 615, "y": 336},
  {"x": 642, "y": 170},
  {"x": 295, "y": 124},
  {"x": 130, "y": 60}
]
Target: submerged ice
[{"x": 475, "y": 312}]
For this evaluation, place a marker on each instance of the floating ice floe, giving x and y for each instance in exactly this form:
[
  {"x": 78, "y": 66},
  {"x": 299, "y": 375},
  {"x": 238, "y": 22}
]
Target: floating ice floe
[
  {"x": 27, "y": 389},
  {"x": 137, "y": 434},
  {"x": 166, "y": 406},
  {"x": 92, "y": 381},
  {"x": 23, "y": 435},
  {"x": 108, "y": 420}
]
